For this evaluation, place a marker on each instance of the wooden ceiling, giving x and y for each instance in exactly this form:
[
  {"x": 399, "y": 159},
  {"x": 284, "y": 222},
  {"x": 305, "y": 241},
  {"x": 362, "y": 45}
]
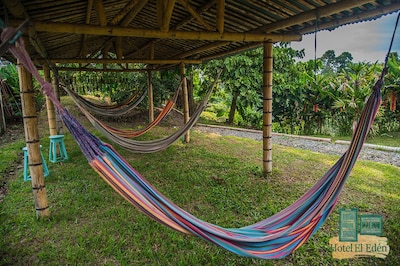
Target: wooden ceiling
[{"x": 166, "y": 32}]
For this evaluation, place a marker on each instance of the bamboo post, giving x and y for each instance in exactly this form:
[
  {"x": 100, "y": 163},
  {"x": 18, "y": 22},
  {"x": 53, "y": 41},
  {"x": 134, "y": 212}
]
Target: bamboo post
[
  {"x": 185, "y": 100},
  {"x": 51, "y": 112},
  {"x": 150, "y": 95},
  {"x": 56, "y": 89},
  {"x": 267, "y": 108},
  {"x": 32, "y": 141}
]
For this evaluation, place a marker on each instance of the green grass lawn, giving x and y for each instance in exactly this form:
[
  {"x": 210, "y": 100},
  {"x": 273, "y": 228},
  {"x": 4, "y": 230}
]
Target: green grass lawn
[{"x": 218, "y": 179}]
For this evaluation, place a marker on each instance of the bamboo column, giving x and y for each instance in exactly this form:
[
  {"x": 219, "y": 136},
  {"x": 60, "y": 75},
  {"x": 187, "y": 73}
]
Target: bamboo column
[
  {"x": 186, "y": 115},
  {"x": 150, "y": 95},
  {"x": 56, "y": 89},
  {"x": 51, "y": 112},
  {"x": 32, "y": 141},
  {"x": 267, "y": 108}
]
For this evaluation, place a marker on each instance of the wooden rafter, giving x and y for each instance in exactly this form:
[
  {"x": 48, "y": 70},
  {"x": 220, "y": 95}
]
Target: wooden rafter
[
  {"x": 84, "y": 48},
  {"x": 101, "y": 14},
  {"x": 196, "y": 15},
  {"x": 220, "y": 15},
  {"x": 164, "y": 13},
  {"x": 123, "y": 12}
]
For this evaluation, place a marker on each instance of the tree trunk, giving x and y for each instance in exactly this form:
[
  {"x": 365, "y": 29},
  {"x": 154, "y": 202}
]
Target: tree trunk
[{"x": 233, "y": 107}]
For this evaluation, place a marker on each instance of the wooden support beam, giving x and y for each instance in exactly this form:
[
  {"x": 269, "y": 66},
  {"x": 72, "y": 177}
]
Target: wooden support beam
[
  {"x": 186, "y": 115},
  {"x": 51, "y": 112},
  {"x": 121, "y": 61},
  {"x": 196, "y": 15},
  {"x": 56, "y": 89},
  {"x": 220, "y": 15},
  {"x": 312, "y": 14},
  {"x": 75, "y": 28},
  {"x": 234, "y": 51},
  {"x": 118, "y": 47},
  {"x": 267, "y": 108},
  {"x": 32, "y": 141},
  {"x": 150, "y": 96},
  {"x": 164, "y": 13}
]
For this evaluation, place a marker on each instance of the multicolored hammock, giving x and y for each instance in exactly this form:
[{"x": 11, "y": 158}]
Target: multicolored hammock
[
  {"x": 274, "y": 237},
  {"x": 103, "y": 127},
  {"x": 113, "y": 110}
]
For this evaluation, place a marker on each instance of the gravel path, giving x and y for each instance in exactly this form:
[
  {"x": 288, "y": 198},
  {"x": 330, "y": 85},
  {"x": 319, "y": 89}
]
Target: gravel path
[{"x": 370, "y": 154}]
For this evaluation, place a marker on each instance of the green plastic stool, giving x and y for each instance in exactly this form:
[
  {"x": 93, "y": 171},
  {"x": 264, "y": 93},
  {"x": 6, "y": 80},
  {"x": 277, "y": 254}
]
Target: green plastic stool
[
  {"x": 57, "y": 141},
  {"x": 26, "y": 167}
]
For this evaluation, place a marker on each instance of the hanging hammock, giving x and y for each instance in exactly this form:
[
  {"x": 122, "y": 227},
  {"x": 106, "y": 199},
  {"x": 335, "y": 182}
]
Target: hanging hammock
[
  {"x": 116, "y": 110},
  {"x": 119, "y": 133},
  {"x": 274, "y": 237}
]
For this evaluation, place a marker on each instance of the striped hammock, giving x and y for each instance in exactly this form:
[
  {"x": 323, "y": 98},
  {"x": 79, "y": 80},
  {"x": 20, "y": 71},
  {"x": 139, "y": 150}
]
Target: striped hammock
[
  {"x": 120, "y": 133},
  {"x": 272, "y": 238},
  {"x": 113, "y": 110}
]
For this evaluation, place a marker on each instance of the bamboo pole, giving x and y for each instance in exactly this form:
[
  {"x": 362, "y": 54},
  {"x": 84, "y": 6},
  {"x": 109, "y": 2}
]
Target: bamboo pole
[
  {"x": 56, "y": 89},
  {"x": 51, "y": 112},
  {"x": 32, "y": 142},
  {"x": 186, "y": 115},
  {"x": 267, "y": 108},
  {"x": 150, "y": 95}
]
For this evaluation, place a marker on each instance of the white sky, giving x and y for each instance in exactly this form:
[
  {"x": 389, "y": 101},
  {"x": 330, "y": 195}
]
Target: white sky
[{"x": 366, "y": 41}]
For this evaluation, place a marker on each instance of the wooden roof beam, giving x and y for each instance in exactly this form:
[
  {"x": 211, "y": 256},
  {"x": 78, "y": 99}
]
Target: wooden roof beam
[
  {"x": 196, "y": 15},
  {"x": 220, "y": 15},
  {"x": 164, "y": 13},
  {"x": 324, "y": 11},
  {"x": 150, "y": 33}
]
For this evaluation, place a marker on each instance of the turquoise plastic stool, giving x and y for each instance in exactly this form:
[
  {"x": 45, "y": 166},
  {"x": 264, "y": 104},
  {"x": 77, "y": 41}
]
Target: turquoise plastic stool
[
  {"x": 26, "y": 167},
  {"x": 57, "y": 141}
]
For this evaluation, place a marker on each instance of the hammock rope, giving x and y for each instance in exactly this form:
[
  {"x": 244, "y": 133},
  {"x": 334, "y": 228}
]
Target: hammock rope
[
  {"x": 131, "y": 133},
  {"x": 274, "y": 237}
]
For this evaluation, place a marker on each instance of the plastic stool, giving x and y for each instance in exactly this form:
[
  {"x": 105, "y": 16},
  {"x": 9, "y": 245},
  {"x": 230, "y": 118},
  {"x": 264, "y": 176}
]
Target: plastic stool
[
  {"x": 26, "y": 167},
  {"x": 57, "y": 140}
]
